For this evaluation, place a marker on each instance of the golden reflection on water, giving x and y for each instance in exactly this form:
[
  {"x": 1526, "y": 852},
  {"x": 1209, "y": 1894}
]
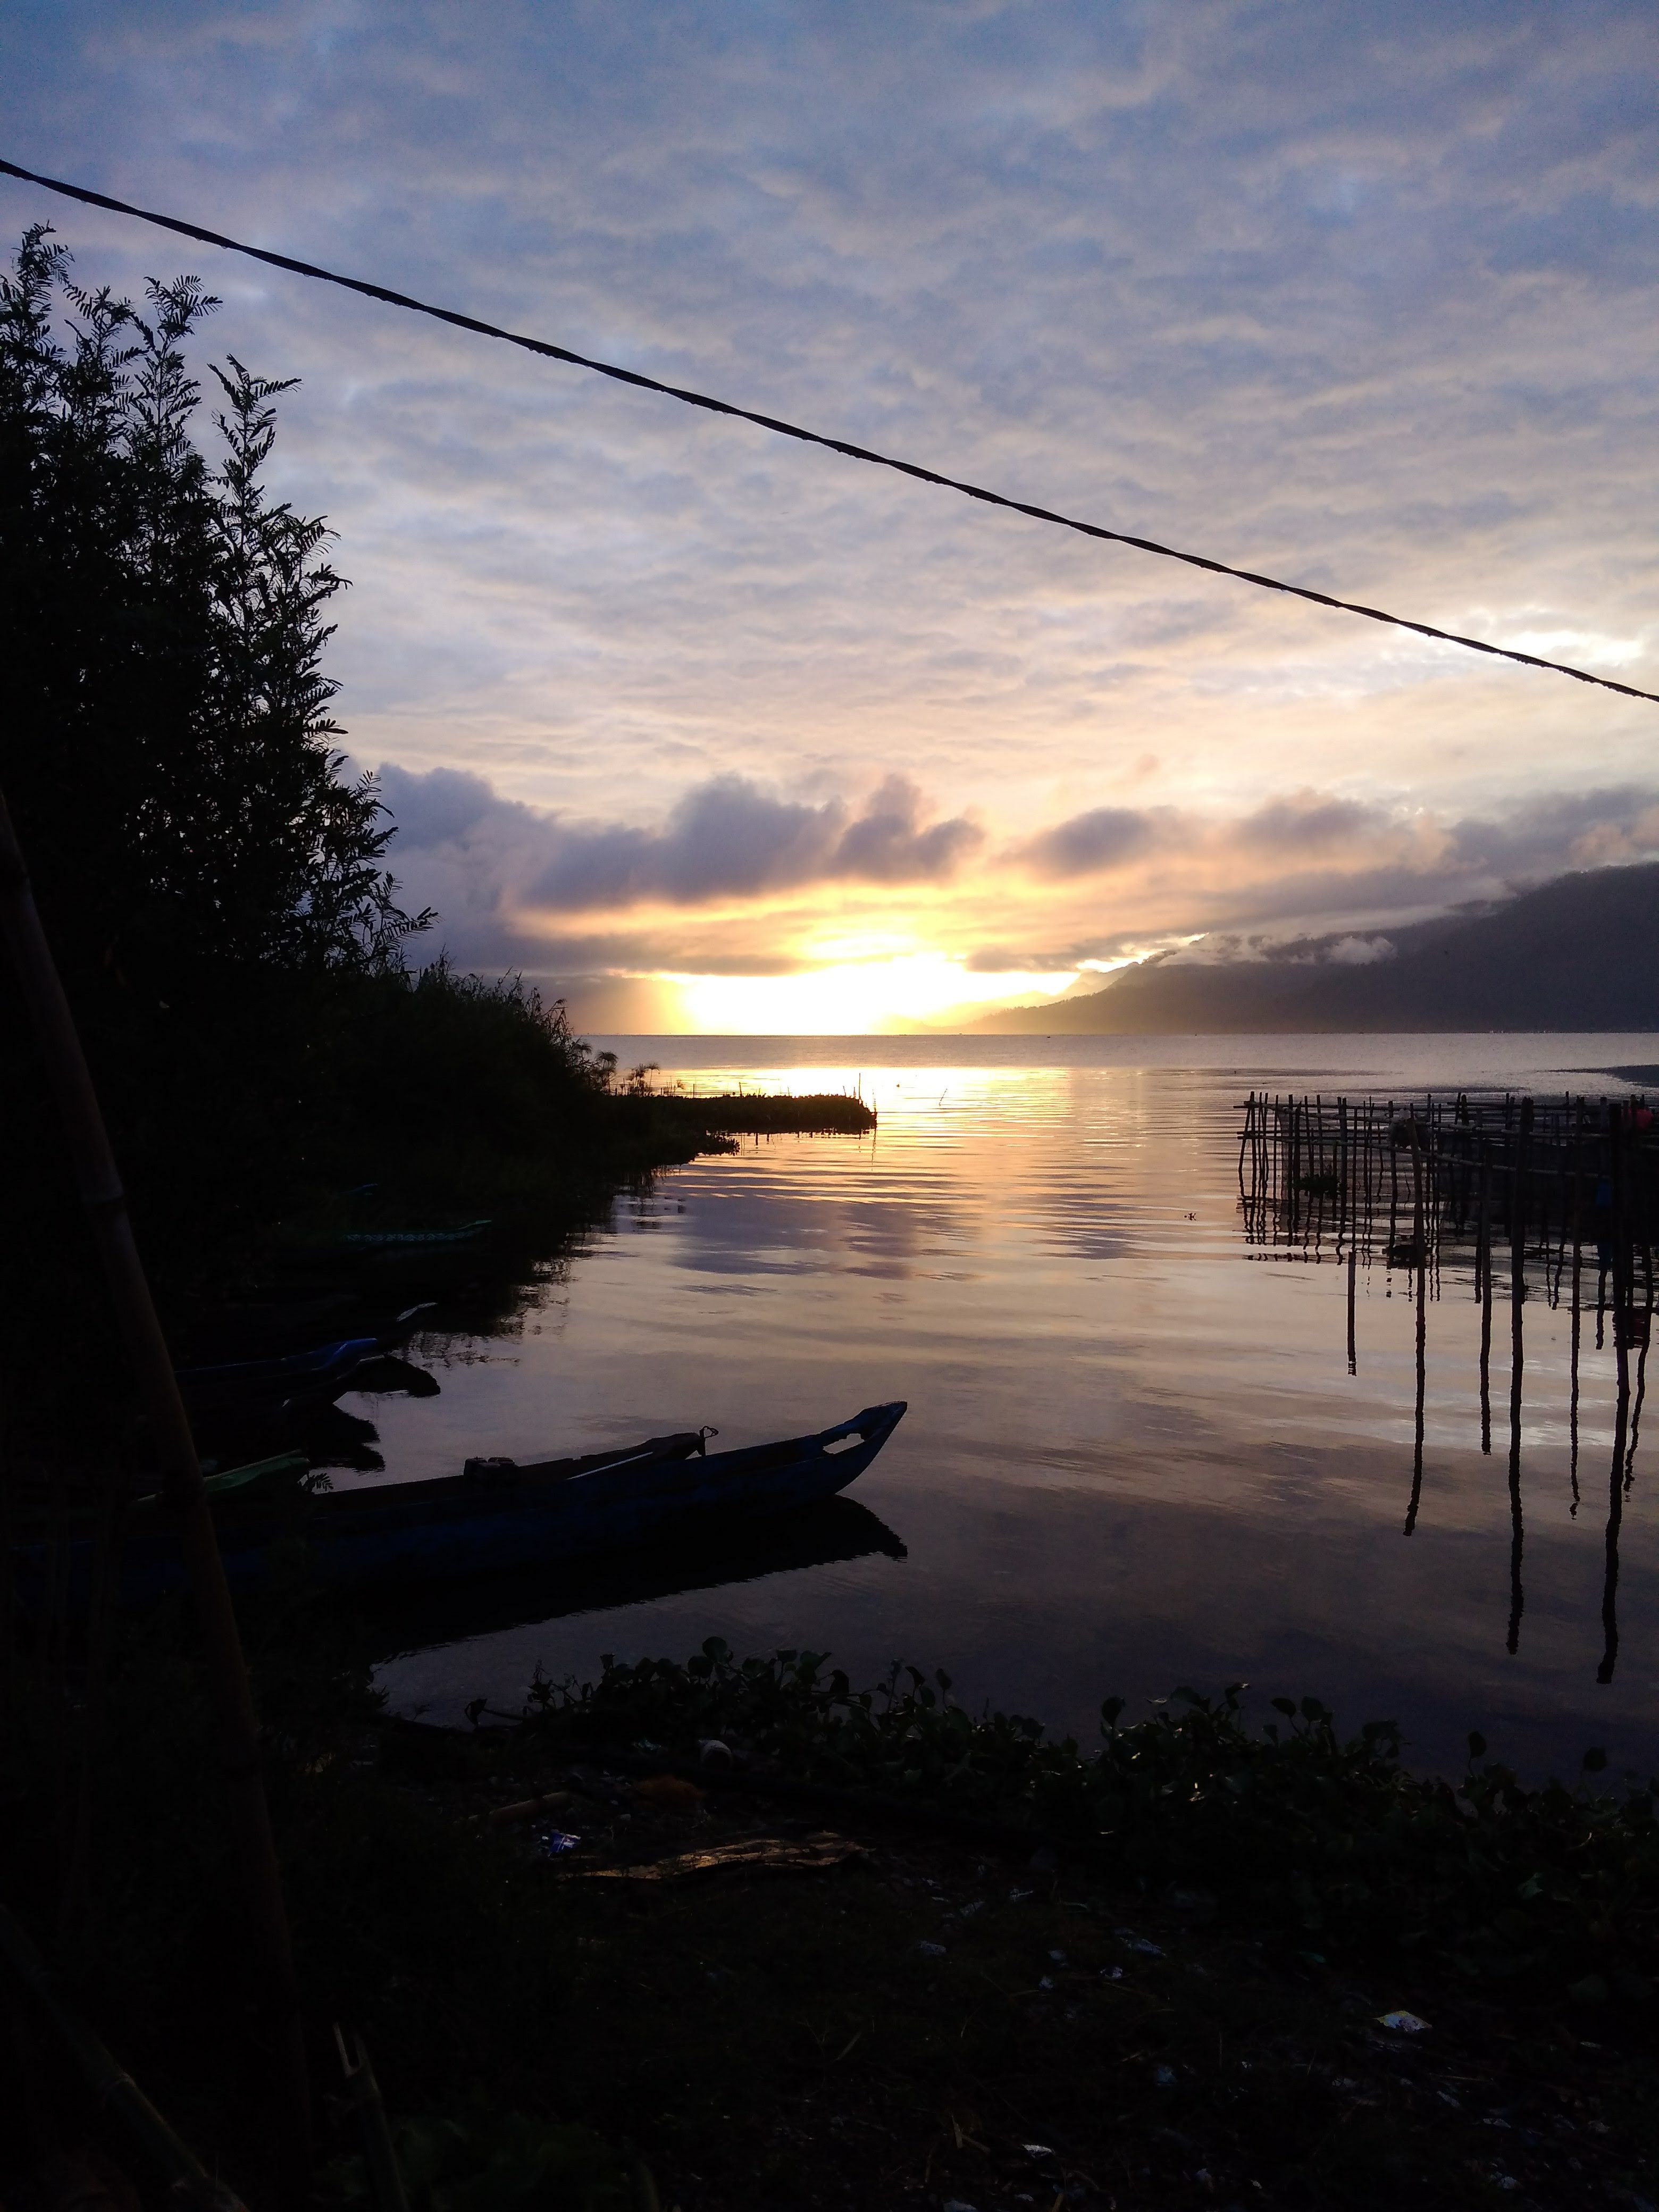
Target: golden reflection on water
[{"x": 1136, "y": 1455}]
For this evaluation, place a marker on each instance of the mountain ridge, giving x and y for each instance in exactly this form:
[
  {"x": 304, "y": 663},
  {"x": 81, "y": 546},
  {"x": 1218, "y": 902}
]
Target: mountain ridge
[{"x": 1579, "y": 952}]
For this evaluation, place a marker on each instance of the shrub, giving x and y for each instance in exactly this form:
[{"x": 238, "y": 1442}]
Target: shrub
[{"x": 1326, "y": 1839}]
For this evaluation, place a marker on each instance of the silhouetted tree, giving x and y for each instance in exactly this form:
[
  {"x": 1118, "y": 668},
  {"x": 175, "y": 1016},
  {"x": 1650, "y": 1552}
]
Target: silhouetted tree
[
  {"x": 213, "y": 882},
  {"x": 165, "y": 743}
]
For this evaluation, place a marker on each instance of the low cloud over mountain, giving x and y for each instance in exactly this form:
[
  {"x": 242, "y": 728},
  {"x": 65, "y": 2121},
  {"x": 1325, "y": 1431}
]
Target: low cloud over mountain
[{"x": 1573, "y": 954}]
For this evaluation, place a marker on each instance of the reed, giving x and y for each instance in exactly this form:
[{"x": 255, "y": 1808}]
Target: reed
[{"x": 772, "y": 1114}]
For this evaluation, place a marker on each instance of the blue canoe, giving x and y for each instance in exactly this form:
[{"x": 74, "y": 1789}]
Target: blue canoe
[
  {"x": 497, "y": 1514},
  {"x": 299, "y": 1378}
]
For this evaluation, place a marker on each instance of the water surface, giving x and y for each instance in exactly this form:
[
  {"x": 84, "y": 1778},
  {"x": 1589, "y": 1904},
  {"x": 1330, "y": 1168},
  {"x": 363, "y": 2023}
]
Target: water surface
[{"x": 1135, "y": 1456}]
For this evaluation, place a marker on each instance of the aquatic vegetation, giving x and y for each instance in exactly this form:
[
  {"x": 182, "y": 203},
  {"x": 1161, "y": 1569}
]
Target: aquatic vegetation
[{"x": 1329, "y": 1839}]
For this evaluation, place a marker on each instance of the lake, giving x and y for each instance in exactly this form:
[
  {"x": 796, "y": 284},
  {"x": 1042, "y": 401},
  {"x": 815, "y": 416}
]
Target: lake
[{"x": 1134, "y": 1457}]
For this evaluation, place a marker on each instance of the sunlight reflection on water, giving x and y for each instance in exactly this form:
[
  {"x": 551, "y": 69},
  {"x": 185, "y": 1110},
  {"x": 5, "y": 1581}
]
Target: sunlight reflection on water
[{"x": 1135, "y": 1456}]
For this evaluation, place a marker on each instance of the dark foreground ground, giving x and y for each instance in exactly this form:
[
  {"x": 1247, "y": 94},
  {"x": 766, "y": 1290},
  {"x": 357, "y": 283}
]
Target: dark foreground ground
[{"x": 922, "y": 2024}]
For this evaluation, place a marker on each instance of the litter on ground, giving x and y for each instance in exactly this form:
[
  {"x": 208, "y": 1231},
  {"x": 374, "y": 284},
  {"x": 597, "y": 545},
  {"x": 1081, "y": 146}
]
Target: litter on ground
[{"x": 762, "y": 1855}]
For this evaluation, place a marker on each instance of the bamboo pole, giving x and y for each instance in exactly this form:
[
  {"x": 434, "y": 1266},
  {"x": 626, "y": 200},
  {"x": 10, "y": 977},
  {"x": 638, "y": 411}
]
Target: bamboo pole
[
  {"x": 1483, "y": 1250},
  {"x": 380, "y": 2152},
  {"x": 1420, "y": 1254},
  {"x": 1245, "y": 1139},
  {"x": 1604, "y": 1673},
  {"x": 105, "y": 1203},
  {"x": 1577, "y": 1289},
  {"x": 1517, "y": 1361},
  {"x": 113, "y": 2088}
]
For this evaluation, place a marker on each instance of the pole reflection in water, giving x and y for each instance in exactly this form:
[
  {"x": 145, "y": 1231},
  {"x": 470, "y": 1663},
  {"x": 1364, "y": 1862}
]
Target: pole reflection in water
[{"x": 1555, "y": 1176}]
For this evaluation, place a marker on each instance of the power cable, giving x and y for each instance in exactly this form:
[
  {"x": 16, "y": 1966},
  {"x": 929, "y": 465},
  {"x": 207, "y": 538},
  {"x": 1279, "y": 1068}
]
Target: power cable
[{"x": 782, "y": 429}]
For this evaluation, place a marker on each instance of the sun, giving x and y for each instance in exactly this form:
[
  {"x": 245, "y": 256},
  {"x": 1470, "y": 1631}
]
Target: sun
[{"x": 851, "y": 998}]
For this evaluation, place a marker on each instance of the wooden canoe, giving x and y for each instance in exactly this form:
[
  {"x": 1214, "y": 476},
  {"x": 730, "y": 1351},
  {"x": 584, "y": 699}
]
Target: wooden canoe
[{"x": 498, "y": 1514}]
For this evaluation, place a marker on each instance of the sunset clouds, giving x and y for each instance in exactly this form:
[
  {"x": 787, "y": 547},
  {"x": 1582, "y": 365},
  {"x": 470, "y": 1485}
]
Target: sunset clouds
[
  {"x": 1359, "y": 295},
  {"x": 881, "y": 878}
]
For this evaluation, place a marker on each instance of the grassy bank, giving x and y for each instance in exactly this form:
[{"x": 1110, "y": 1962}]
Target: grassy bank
[
  {"x": 770, "y": 1114},
  {"x": 281, "y": 1136},
  {"x": 1141, "y": 1973}
]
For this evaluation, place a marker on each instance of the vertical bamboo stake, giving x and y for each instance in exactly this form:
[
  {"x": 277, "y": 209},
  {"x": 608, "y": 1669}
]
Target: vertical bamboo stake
[
  {"x": 1243, "y": 1147},
  {"x": 105, "y": 1203},
  {"x": 1394, "y": 1187},
  {"x": 1421, "y": 1257},
  {"x": 1319, "y": 1171},
  {"x": 1293, "y": 1177},
  {"x": 1484, "y": 1249},
  {"x": 1604, "y": 1673},
  {"x": 1342, "y": 1197},
  {"x": 1577, "y": 1287},
  {"x": 1368, "y": 1163},
  {"x": 1600, "y": 1263},
  {"x": 1643, "y": 1332},
  {"x": 1349, "y": 1227},
  {"x": 1517, "y": 1360}
]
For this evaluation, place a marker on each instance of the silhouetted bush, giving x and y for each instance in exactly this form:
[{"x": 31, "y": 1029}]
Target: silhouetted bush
[
  {"x": 165, "y": 740},
  {"x": 1330, "y": 1840}
]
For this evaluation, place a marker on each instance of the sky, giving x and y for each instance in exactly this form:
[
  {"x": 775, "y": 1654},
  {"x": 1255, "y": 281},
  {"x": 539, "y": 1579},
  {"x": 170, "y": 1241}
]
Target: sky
[{"x": 704, "y": 729}]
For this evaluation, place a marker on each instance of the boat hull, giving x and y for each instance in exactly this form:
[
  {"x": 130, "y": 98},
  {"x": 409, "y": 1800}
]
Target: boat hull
[{"x": 410, "y": 1534}]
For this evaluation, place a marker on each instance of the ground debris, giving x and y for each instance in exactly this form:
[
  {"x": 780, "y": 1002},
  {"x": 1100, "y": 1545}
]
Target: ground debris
[{"x": 754, "y": 1855}]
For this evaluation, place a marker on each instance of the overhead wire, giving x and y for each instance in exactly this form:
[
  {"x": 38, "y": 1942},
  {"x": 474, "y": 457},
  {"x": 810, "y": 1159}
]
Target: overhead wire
[{"x": 711, "y": 405}]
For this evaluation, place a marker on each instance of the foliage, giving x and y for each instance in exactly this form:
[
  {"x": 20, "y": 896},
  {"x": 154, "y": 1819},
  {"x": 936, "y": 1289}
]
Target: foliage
[
  {"x": 450, "y": 1054},
  {"x": 1331, "y": 1840},
  {"x": 165, "y": 740},
  {"x": 493, "y": 2162},
  {"x": 729, "y": 2026},
  {"x": 433, "y": 1940}
]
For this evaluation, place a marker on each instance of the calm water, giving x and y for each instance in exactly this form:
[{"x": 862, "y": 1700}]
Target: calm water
[{"x": 1134, "y": 1455}]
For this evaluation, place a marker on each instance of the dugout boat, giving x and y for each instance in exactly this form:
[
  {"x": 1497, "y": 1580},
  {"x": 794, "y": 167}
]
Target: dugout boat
[{"x": 497, "y": 1513}]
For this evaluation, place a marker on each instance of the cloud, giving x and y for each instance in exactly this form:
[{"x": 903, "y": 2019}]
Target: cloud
[
  {"x": 1008, "y": 960},
  {"x": 1306, "y": 826},
  {"x": 887, "y": 844},
  {"x": 1360, "y": 952},
  {"x": 731, "y": 838},
  {"x": 1568, "y": 829},
  {"x": 1310, "y": 824},
  {"x": 499, "y": 871},
  {"x": 1366, "y": 307},
  {"x": 441, "y": 807},
  {"x": 517, "y": 885},
  {"x": 1088, "y": 844}
]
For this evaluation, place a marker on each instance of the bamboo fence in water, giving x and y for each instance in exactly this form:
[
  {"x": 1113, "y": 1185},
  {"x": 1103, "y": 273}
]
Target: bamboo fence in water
[{"x": 1502, "y": 1199}]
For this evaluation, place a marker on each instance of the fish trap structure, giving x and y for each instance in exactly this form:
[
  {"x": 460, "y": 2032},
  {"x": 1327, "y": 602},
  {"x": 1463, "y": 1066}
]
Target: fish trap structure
[
  {"x": 1513, "y": 1197},
  {"x": 1462, "y": 1188}
]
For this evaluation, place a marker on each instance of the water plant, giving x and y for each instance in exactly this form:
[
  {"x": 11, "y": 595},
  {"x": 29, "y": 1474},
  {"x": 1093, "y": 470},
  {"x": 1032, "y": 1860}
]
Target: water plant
[{"x": 1326, "y": 1839}]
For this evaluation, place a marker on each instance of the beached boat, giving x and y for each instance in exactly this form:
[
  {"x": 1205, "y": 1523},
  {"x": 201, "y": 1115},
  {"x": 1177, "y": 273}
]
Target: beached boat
[
  {"x": 317, "y": 1376},
  {"x": 300, "y": 1381},
  {"x": 498, "y": 1513}
]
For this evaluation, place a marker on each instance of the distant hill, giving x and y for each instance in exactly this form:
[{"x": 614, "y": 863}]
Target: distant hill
[{"x": 1579, "y": 953}]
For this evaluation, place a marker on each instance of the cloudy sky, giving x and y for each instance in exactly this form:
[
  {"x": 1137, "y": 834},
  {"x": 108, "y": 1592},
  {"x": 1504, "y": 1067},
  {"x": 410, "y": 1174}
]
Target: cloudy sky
[{"x": 716, "y": 732}]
